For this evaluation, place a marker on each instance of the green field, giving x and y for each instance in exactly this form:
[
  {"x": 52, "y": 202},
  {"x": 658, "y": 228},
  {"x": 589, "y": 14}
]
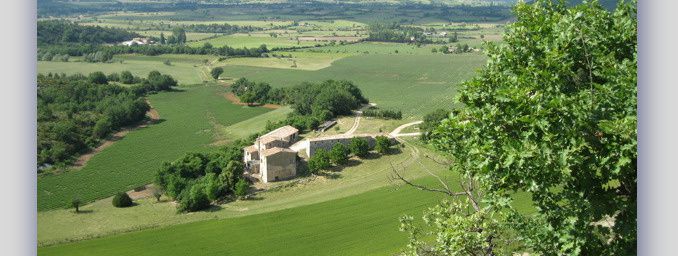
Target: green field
[
  {"x": 253, "y": 125},
  {"x": 188, "y": 119},
  {"x": 415, "y": 84},
  {"x": 58, "y": 226},
  {"x": 252, "y": 41},
  {"x": 184, "y": 71},
  {"x": 365, "y": 224},
  {"x": 303, "y": 60}
]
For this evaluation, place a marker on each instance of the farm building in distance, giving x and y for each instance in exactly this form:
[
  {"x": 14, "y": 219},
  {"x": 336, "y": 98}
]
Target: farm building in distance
[{"x": 138, "y": 41}]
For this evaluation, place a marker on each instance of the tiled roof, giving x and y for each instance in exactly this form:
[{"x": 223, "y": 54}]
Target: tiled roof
[
  {"x": 251, "y": 149},
  {"x": 281, "y": 132},
  {"x": 273, "y": 151}
]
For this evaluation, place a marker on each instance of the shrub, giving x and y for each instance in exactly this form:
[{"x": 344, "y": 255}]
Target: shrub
[
  {"x": 98, "y": 77},
  {"x": 339, "y": 154},
  {"x": 382, "y": 145},
  {"x": 319, "y": 161},
  {"x": 216, "y": 72},
  {"x": 126, "y": 77},
  {"x": 241, "y": 188},
  {"x": 157, "y": 194},
  {"x": 359, "y": 147},
  {"x": 75, "y": 203},
  {"x": 194, "y": 199},
  {"x": 121, "y": 199}
]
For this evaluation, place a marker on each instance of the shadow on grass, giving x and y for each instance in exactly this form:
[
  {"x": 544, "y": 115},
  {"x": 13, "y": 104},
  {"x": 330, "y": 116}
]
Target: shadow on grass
[{"x": 84, "y": 211}]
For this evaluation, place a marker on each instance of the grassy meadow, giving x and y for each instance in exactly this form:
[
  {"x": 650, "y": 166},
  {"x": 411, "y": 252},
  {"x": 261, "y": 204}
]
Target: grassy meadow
[
  {"x": 361, "y": 175},
  {"x": 414, "y": 84},
  {"x": 188, "y": 121},
  {"x": 363, "y": 224}
]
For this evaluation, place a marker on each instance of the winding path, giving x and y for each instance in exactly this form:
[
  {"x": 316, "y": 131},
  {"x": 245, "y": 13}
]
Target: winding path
[{"x": 396, "y": 132}]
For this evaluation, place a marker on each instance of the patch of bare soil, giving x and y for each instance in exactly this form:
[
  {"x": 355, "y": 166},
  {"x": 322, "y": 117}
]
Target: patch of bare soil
[
  {"x": 153, "y": 116},
  {"x": 234, "y": 99},
  {"x": 147, "y": 192}
]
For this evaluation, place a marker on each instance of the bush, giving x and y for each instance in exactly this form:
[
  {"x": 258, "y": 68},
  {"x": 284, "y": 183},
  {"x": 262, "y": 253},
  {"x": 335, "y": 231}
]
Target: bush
[
  {"x": 194, "y": 199},
  {"x": 216, "y": 72},
  {"x": 319, "y": 161},
  {"x": 126, "y": 77},
  {"x": 359, "y": 147},
  {"x": 382, "y": 145},
  {"x": 98, "y": 77},
  {"x": 339, "y": 154},
  {"x": 242, "y": 187},
  {"x": 121, "y": 199},
  {"x": 75, "y": 203}
]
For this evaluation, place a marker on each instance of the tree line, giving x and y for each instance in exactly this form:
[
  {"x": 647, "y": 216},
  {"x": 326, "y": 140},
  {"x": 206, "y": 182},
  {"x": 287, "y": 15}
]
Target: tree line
[
  {"x": 152, "y": 50},
  {"x": 313, "y": 103},
  {"x": 65, "y": 32},
  {"x": 76, "y": 112},
  {"x": 394, "y": 32}
]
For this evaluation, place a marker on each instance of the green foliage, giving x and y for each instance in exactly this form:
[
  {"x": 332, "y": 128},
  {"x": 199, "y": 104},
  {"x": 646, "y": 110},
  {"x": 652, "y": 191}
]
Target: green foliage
[
  {"x": 456, "y": 231},
  {"x": 126, "y": 77},
  {"x": 554, "y": 114},
  {"x": 157, "y": 194},
  {"x": 98, "y": 77},
  {"x": 75, "y": 203},
  {"x": 431, "y": 121},
  {"x": 383, "y": 113},
  {"x": 359, "y": 147},
  {"x": 319, "y": 161},
  {"x": 193, "y": 199},
  {"x": 339, "y": 154},
  {"x": 382, "y": 145},
  {"x": 74, "y": 111},
  {"x": 121, "y": 199},
  {"x": 62, "y": 31},
  {"x": 98, "y": 56},
  {"x": 216, "y": 72},
  {"x": 242, "y": 187},
  {"x": 215, "y": 174},
  {"x": 134, "y": 160}
]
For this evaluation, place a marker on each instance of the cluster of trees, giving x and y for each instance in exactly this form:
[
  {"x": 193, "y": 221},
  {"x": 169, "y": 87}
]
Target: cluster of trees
[
  {"x": 63, "y": 32},
  {"x": 569, "y": 140},
  {"x": 459, "y": 48},
  {"x": 383, "y": 113},
  {"x": 152, "y": 50},
  {"x": 99, "y": 56},
  {"x": 312, "y": 102},
  {"x": 48, "y": 56},
  {"x": 75, "y": 112},
  {"x": 198, "y": 179},
  {"x": 178, "y": 37},
  {"x": 220, "y": 28},
  {"x": 394, "y": 32},
  {"x": 431, "y": 121},
  {"x": 340, "y": 153}
]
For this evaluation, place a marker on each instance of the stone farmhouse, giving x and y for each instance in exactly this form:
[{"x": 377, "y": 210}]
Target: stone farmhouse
[
  {"x": 274, "y": 155},
  {"x": 270, "y": 158}
]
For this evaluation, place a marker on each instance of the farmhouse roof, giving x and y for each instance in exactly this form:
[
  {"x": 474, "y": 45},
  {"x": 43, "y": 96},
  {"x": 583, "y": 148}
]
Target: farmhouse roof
[
  {"x": 276, "y": 150},
  {"x": 268, "y": 139},
  {"x": 281, "y": 132},
  {"x": 251, "y": 149}
]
